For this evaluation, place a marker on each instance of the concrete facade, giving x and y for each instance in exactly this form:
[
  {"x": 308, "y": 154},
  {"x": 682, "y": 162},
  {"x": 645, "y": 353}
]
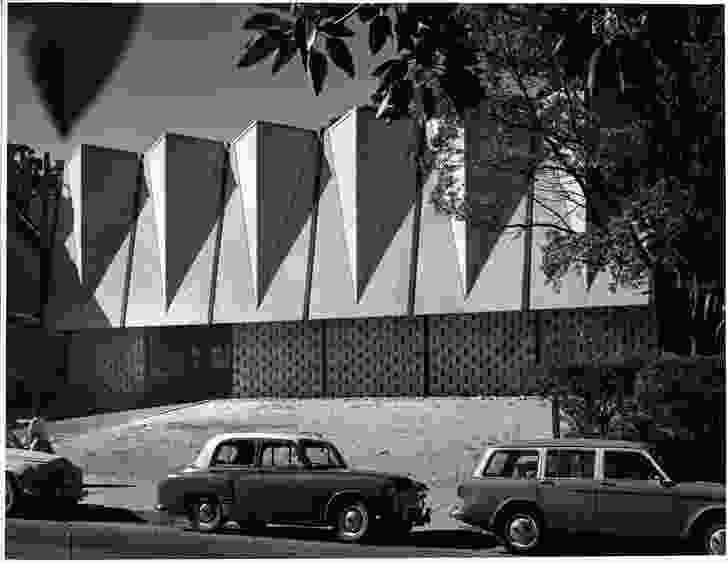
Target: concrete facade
[
  {"x": 285, "y": 263},
  {"x": 276, "y": 226}
]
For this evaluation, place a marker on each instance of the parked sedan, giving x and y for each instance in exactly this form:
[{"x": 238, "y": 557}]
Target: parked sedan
[
  {"x": 302, "y": 479},
  {"x": 37, "y": 476},
  {"x": 522, "y": 490}
]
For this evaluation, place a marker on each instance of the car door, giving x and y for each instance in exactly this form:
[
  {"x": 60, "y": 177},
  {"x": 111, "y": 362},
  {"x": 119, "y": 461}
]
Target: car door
[
  {"x": 568, "y": 489},
  {"x": 284, "y": 495},
  {"x": 631, "y": 499},
  {"x": 236, "y": 459},
  {"x": 509, "y": 473}
]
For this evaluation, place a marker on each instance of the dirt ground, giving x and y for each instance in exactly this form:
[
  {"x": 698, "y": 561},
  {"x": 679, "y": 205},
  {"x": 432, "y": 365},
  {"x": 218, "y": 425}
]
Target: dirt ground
[{"x": 437, "y": 440}]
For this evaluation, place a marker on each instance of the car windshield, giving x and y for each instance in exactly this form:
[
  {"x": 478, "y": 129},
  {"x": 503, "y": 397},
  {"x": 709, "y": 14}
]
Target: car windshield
[{"x": 322, "y": 455}]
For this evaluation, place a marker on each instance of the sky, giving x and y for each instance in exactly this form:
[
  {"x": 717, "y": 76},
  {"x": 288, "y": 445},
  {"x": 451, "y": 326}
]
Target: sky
[{"x": 179, "y": 75}]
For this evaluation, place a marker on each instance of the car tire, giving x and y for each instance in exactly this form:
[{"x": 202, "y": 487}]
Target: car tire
[
  {"x": 12, "y": 495},
  {"x": 205, "y": 514},
  {"x": 522, "y": 531},
  {"x": 352, "y": 521},
  {"x": 712, "y": 538}
]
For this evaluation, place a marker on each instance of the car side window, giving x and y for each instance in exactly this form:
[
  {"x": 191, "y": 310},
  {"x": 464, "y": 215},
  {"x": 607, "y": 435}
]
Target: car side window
[
  {"x": 512, "y": 464},
  {"x": 280, "y": 455},
  {"x": 633, "y": 466},
  {"x": 237, "y": 452},
  {"x": 570, "y": 464}
]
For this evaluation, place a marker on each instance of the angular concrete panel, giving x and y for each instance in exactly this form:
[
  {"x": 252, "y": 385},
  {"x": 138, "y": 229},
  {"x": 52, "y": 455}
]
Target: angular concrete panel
[
  {"x": 439, "y": 285},
  {"x": 497, "y": 196},
  {"x": 585, "y": 289},
  {"x": 267, "y": 223},
  {"x": 234, "y": 292},
  {"x": 194, "y": 172},
  {"x": 285, "y": 203},
  {"x": 146, "y": 306},
  {"x": 365, "y": 219},
  {"x": 92, "y": 241}
]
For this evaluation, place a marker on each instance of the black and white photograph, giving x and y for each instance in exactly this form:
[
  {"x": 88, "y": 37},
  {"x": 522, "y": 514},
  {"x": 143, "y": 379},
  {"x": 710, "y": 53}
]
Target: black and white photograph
[{"x": 339, "y": 280}]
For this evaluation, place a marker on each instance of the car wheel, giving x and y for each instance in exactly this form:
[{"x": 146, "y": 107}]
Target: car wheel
[
  {"x": 522, "y": 531},
  {"x": 352, "y": 521},
  {"x": 11, "y": 494},
  {"x": 713, "y": 538},
  {"x": 206, "y": 514}
]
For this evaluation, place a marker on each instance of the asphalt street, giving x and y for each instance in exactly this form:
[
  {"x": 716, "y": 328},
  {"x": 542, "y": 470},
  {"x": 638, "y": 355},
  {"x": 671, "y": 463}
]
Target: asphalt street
[
  {"x": 99, "y": 532},
  {"x": 43, "y": 539}
]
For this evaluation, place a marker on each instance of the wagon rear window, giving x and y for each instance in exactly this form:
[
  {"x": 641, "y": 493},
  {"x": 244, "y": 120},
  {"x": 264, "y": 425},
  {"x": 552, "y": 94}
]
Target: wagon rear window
[{"x": 513, "y": 464}]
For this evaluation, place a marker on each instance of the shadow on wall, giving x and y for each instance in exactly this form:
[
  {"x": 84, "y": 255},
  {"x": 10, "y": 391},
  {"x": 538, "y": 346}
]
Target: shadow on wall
[{"x": 68, "y": 298}]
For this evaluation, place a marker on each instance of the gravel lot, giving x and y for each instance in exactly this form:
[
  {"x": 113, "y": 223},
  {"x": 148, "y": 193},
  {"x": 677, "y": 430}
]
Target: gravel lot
[{"x": 435, "y": 439}]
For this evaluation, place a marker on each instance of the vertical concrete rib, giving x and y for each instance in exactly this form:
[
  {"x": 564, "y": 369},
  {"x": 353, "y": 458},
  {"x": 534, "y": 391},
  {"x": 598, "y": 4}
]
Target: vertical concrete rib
[
  {"x": 132, "y": 241},
  {"x": 317, "y": 191},
  {"x": 415, "y": 251},
  {"x": 528, "y": 238},
  {"x": 218, "y": 234}
]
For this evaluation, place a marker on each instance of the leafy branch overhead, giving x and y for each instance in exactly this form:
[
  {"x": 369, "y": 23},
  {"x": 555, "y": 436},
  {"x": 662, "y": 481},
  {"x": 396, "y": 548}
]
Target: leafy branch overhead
[{"x": 434, "y": 57}]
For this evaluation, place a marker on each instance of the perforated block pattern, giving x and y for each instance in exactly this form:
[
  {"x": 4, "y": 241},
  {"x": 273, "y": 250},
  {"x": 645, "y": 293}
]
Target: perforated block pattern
[
  {"x": 592, "y": 335},
  {"x": 375, "y": 357},
  {"x": 277, "y": 360},
  {"x": 487, "y": 353}
]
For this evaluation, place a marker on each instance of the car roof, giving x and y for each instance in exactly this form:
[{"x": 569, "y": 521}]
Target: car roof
[
  {"x": 292, "y": 436},
  {"x": 571, "y": 443}
]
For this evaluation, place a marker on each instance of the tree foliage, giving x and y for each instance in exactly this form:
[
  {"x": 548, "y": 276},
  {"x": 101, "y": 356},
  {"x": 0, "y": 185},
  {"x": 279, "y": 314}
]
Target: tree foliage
[{"x": 628, "y": 121}]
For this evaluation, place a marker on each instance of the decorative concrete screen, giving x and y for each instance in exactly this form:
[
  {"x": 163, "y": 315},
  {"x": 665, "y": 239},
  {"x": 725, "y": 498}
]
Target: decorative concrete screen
[
  {"x": 489, "y": 353},
  {"x": 92, "y": 237},
  {"x": 375, "y": 357},
  {"x": 277, "y": 360},
  {"x": 364, "y": 242},
  {"x": 267, "y": 223},
  {"x": 107, "y": 368}
]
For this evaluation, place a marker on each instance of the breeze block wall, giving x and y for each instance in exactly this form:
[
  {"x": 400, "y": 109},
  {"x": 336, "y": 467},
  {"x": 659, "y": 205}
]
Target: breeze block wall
[{"x": 282, "y": 359}]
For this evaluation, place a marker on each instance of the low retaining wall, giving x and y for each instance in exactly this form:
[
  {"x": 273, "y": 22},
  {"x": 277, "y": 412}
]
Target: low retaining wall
[{"x": 498, "y": 353}]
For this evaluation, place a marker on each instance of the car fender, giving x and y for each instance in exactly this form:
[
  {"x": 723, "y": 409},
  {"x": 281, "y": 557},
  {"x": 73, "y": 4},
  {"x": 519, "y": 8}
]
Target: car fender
[
  {"x": 506, "y": 503},
  {"x": 337, "y": 495},
  {"x": 694, "y": 518}
]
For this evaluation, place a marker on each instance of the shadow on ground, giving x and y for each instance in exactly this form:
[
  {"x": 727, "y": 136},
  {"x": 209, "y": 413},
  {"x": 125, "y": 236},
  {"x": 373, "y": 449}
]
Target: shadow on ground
[{"x": 78, "y": 513}]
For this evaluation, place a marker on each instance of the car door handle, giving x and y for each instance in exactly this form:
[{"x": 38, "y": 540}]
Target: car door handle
[
  {"x": 608, "y": 484},
  {"x": 549, "y": 483}
]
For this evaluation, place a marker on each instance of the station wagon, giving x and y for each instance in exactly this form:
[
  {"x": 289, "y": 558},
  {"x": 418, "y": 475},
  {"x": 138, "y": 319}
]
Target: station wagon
[{"x": 522, "y": 490}]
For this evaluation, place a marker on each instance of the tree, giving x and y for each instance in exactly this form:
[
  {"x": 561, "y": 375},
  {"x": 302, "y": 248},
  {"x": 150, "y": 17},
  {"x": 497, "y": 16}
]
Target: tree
[{"x": 629, "y": 121}]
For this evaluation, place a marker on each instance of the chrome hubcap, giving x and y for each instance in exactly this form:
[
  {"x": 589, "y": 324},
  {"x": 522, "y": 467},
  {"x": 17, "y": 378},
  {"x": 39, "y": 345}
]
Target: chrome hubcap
[
  {"x": 523, "y": 531},
  {"x": 716, "y": 542},
  {"x": 206, "y": 512},
  {"x": 352, "y": 521}
]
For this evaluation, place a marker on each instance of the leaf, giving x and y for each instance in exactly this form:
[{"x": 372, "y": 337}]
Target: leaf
[
  {"x": 336, "y": 30},
  {"x": 61, "y": 39},
  {"x": 463, "y": 88},
  {"x": 383, "y": 67},
  {"x": 379, "y": 30},
  {"x": 384, "y": 105},
  {"x": 367, "y": 13},
  {"x": 266, "y": 20},
  {"x": 301, "y": 36},
  {"x": 340, "y": 55},
  {"x": 404, "y": 29},
  {"x": 592, "y": 76},
  {"x": 284, "y": 54},
  {"x": 258, "y": 49},
  {"x": 317, "y": 68}
]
